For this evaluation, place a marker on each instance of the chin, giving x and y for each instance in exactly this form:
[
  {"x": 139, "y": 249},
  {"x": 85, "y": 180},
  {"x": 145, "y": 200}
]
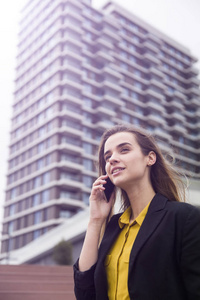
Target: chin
[{"x": 118, "y": 183}]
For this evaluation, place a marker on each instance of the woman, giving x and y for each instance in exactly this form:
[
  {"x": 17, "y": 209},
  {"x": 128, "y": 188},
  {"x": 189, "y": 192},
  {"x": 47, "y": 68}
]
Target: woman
[{"x": 152, "y": 250}]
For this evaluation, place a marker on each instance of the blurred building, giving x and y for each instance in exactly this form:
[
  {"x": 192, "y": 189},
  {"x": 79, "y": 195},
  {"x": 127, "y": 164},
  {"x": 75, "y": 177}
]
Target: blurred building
[{"x": 80, "y": 70}]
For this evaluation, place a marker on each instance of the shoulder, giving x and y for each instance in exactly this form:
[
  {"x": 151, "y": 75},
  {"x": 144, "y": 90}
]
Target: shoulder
[
  {"x": 179, "y": 211},
  {"x": 160, "y": 202},
  {"x": 182, "y": 207},
  {"x": 183, "y": 213}
]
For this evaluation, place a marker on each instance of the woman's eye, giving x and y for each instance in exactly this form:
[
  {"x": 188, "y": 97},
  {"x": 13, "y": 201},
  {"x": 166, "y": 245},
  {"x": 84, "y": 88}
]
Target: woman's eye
[
  {"x": 124, "y": 149},
  {"x": 107, "y": 158}
]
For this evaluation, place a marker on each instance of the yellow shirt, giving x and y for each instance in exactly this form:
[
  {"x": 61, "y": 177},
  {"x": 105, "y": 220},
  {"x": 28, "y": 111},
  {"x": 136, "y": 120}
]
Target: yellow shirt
[{"x": 117, "y": 260}]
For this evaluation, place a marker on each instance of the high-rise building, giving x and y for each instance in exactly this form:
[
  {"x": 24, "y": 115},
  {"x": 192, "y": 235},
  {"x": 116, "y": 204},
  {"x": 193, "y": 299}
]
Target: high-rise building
[{"x": 80, "y": 70}]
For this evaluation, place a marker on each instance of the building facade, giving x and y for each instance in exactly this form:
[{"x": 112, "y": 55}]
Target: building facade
[{"x": 79, "y": 71}]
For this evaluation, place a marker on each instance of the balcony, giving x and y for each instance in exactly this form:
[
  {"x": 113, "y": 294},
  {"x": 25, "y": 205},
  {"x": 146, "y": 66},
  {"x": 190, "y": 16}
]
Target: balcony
[
  {"x": 69, "y": 148},
  {"x": 176, "y": 104},
  {"x": 113, "y": 36},
  {"x": 101, "y": 110},
  {"x": 110, "y": 86},
  {"x": 104, "y": 56},
  {"x": 110, "y": 70},
  {"x": 151, "y": 92},
  {"x": 192, "y": 70},
  {"x": 155, "y": 119},
  {"x": 162, "y": 133},
  {"x": 147, "y": 45},
  {"x": 150, "y": 58},
  {"x": 100, "y": 41},
  {"x": 180, "y": 129},
  {"x": 112, "y": 99},
  {"x": 108, "y": 19},
  {"x": 177, "y": 116},
  {"x": 155, "y": 106},
  {"x": 194, "y": 101},
  {"x": 70, "y": 184},
  {"x": 68, "y": 165},
  {"x": 193, "y": 91},
  {"x": 157, "y": 72},
  {"x": 104, "y": 124}
]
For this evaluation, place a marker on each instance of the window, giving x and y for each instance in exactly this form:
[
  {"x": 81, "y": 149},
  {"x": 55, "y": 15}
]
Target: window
[
  {"x": 40, "y": 163},
  {"x": 68, "y": 194},
  {"x": 133, "y": 59},
  {"x": 10, "y": 227},
  {"x": 124, "y": 54},
  {"x": 125, "y": 92},
  {"x": 126, "y": 117},
  {"x": 35, "y": 200},
  {"x": 45, "y": 196},
  {"x": 10, "y": 244},
  {"x": 88, "y": 117},
  {"x": 85, "y": 198},
  {"x": 70, "y": 140},
  {"x": 138, "y": 85},
  {"x": 36, "y": 182},
  {"x": 65, "y": 214},
  {"x": 46, "y": 177},
  {"x": 48, "y": 159},
  {"x": 37, "y": 217},
  {"x": 87, "y": 88},
  {"x": 87, "y": 132},
  {"x": 134, "y": 95},
  {"x": 87, "y": 180},
  {"x": 124, "y": 66},
  {"x": 71, "y": 124},
  {"x": 87, "y": 102},
  {"x": 136, "y": 121},
  {"x": 88, "y": 148},
  {"x": 13, "y": 193},
  {"x": 45, "y": 214},
  {"x": 49, "y": 142},
  {"x": 69, "y": 157},
  {"x": 88, "y": 164},
  {"x": 40, "y": 147},
  {"x": 12, "y": 210},
  {"x": 36, "y": 234},
  {"x": 138, "y": 109},
  {"x": 70, "y": 176},
  {"x": 170, "y": 90}
]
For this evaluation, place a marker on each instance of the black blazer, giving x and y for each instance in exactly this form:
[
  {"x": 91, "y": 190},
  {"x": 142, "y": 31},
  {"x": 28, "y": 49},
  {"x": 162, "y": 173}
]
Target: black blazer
[{"x": 164, "y": 260}]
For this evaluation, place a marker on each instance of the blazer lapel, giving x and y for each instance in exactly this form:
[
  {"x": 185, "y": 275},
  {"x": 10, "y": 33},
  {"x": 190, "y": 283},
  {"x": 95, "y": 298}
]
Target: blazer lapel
[
  {"x": 154, "y": 216},
  {"x": 112, "y": 231}
]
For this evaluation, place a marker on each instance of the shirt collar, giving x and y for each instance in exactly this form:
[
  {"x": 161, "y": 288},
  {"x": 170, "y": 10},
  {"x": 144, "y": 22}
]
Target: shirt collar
[{"x": 125, "y": 217}]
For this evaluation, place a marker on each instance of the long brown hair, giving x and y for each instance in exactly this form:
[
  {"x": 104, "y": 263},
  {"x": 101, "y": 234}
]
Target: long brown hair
[{"x": 165, "y": 179}]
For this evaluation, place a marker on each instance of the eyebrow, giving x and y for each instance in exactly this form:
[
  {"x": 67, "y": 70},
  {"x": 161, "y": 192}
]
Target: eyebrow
[{"x": 118, "y": 146}]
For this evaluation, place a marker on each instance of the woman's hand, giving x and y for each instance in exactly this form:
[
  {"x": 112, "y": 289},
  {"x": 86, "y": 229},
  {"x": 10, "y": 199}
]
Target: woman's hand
[
  {"x": 99, "y": 207},
  {"x": 99, "y": 211}
]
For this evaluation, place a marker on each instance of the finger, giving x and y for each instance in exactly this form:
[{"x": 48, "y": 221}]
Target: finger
[
  {"x": 98, "y": 188},
  {"x": 99, "y": 182}
]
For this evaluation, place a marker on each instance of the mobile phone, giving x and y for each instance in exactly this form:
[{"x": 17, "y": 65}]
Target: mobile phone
[{"x": 109, "y": 188}]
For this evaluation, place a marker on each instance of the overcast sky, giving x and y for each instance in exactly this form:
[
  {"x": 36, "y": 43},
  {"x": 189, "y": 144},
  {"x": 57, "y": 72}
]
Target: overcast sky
[{"x": 179, "y": 19}]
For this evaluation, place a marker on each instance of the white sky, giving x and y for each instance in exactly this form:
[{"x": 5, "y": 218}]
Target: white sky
[{"x": 180, "y": 19}]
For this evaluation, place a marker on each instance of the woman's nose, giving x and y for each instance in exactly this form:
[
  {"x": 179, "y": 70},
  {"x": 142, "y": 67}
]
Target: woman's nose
[{"x": 113, "y": 159}]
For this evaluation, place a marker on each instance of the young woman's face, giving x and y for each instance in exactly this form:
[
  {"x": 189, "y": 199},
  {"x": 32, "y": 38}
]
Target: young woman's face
[{"x": 126, "y": 165}]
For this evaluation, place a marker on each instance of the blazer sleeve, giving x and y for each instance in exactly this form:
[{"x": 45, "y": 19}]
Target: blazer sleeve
[
  {"x": 190, "y": 254},
  {"x": 84, "y": 288}
]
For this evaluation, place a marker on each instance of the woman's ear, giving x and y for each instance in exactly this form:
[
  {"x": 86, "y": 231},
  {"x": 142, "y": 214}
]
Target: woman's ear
[{"x": 151, "y": 158}]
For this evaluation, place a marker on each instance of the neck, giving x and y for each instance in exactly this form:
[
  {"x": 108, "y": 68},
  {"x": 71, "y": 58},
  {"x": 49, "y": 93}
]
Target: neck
[{"x": 139, "y": 197}]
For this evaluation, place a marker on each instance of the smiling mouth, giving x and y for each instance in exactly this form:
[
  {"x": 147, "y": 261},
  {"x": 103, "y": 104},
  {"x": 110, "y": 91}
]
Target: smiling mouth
[{"x": 117, "y": 170}]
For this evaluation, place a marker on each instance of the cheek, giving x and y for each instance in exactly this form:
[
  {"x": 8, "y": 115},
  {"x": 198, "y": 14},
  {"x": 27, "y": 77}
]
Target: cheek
[{"x": 106, "y": 167}]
